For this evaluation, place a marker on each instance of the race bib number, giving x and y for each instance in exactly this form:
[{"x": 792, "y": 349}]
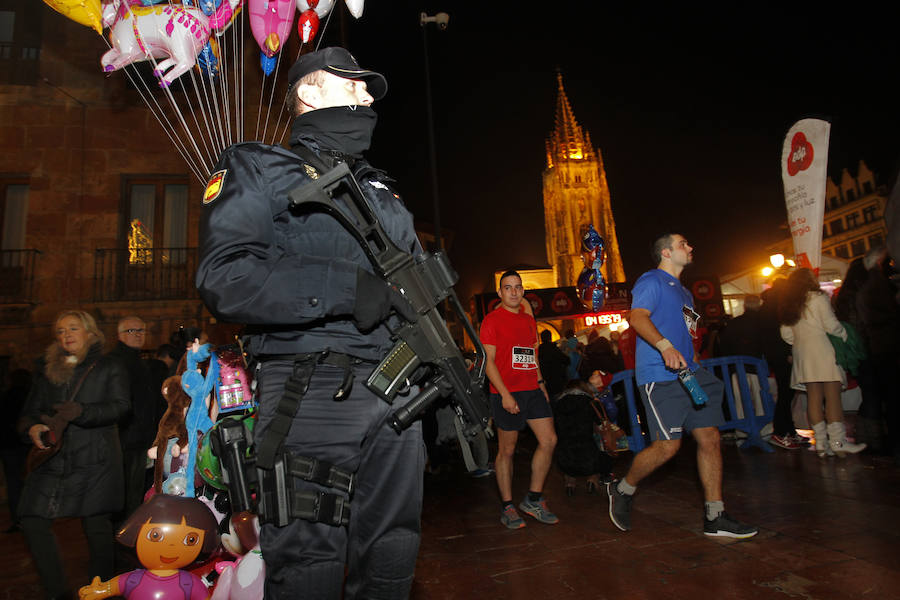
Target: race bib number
[
  {"x": 691, "y": 319},
  {"x": 523, "y": 358}
]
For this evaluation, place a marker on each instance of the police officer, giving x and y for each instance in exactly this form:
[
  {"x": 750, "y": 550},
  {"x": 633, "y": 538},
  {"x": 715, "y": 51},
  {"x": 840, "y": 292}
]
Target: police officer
[{"x": 316, "y": 314}]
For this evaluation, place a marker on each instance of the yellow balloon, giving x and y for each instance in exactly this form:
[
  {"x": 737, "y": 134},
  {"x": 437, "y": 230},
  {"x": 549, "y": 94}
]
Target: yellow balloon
[{"x": 85, "y": 12}]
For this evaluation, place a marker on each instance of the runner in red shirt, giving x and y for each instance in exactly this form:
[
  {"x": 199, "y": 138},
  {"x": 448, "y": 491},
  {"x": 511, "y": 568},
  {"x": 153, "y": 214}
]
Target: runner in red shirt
[{"x": 518, "y": 398}]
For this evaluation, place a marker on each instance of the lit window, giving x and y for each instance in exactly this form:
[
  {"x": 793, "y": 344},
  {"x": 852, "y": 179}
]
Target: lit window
[{"x": 156, "y": 218}]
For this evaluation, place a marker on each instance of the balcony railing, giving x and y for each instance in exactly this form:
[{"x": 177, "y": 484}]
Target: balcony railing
[
  {"x": 17, "y": 276},
  {"x": 146, "y": 274}
]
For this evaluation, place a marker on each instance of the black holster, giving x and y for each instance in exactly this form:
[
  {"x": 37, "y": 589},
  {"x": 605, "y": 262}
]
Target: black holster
[{"x": 279, "y": 503}]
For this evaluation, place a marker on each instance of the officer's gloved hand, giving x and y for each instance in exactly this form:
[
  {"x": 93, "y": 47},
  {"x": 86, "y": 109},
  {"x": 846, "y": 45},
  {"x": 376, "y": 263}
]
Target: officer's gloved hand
[{"x": 375, "y": 299}]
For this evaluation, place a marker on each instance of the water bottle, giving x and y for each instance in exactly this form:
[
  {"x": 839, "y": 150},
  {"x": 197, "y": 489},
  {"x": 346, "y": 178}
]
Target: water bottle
[{"x": 698, "y": 396}]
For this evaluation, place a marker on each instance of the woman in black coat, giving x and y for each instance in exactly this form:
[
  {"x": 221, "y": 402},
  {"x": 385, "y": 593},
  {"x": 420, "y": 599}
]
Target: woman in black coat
[
  {"x": 577, "y": 455},
  {"x": 77, "y": 398}
]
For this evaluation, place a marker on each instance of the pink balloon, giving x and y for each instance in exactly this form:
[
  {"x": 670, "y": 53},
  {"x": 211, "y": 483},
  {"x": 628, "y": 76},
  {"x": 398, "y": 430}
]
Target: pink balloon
[
  {"x": 271, "y": 21},
  {"x": 172, "y": 32}
]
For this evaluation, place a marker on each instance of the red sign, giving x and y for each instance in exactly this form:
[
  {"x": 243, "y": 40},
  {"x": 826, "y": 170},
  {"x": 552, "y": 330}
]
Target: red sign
[
  {"x": 703, "y": 289},
  {"x": 537, "y": 305}
]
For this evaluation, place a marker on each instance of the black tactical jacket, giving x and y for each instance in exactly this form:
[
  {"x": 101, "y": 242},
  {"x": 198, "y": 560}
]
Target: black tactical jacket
[{"x": 290, "y": 278}]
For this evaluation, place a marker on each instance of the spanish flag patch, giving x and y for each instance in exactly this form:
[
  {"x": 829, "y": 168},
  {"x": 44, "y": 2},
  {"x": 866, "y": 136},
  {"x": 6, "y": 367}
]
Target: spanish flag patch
[{"x": 214, "y": 187}]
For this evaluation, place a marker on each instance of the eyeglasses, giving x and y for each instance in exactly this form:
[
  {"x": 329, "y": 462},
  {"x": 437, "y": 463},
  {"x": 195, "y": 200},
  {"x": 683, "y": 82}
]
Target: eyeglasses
[{"x": 134, "y": 331}]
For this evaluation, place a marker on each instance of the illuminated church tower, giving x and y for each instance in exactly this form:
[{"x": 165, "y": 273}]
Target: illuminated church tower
[{"x": 576, "y": 195}]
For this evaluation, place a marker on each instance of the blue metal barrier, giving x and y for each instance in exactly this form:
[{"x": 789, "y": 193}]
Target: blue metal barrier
[{"x": 723, "y": 368}]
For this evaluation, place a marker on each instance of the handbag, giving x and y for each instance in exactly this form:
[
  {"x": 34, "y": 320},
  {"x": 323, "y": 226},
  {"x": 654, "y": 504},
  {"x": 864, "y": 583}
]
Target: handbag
[
  {"x": 38, "y": 456},
  {"x": 606, "y": 433}
]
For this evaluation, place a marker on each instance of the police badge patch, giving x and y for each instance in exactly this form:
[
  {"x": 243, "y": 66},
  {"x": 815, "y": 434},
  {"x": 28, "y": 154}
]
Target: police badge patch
[
  {"x": 214, "y": 187},
  {"x": 310, "y": 171}
]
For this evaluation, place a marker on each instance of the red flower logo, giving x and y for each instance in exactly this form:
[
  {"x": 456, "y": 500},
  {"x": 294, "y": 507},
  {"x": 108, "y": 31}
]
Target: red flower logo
[{"x": 801, "y": 156}]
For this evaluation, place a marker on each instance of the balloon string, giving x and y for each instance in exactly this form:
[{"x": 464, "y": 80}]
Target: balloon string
[
  {"x": 158, "y": 114},
  {"x": 324, "y": 27},
  {"x": 184, "y": 126},
  {"x": 240, "y": 114},
  {"x": 217, "y": 83},
  {"x": 167, "y": 127},
  {"x": 204, "y": 115},
  {"x": 272, "y": 96},
  {"x": 215, "y": 116},
  {"x": 167, "y": 92},
  {"x": 259, "y": 107}
]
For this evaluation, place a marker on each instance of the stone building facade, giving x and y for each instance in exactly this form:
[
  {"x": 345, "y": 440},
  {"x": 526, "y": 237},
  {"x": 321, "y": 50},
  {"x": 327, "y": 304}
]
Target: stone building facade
[{"x": 99, "y": 212}]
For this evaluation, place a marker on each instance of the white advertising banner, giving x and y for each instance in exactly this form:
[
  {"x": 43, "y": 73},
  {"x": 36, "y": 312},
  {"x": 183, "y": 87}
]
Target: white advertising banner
[{"x": 804, "y": 163}]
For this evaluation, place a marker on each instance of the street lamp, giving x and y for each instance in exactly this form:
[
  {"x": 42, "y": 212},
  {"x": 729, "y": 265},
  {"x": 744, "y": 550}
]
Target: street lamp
[{"x": 442, "y": 20}]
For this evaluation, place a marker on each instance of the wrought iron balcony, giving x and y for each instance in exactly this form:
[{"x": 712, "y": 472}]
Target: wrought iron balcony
[
  {"x": 122, "y": 274},
  {"x": 17, "y": 276}
]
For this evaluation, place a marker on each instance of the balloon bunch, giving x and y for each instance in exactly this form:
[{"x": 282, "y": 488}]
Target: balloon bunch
[
  {"x": 591, "y": 287},
  {"x": 197, "y": 47}
]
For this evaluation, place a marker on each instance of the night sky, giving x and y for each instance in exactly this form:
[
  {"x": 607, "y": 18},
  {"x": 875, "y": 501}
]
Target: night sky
[{"x": 689, "y": 109}]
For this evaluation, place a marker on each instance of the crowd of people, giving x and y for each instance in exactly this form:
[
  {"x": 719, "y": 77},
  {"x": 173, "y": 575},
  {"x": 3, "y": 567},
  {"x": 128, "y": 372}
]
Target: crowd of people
[
  {"x": 821, "y": 346},
  {"x": 76, "y": 444}
]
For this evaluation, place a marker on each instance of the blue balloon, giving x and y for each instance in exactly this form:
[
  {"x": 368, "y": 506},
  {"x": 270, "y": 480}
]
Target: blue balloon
[
  {"x": 267, "y": 62},
  {"x": 593, "y": 248},
  {"x": 591, "y": 289},
  {"x": 207, "y": 61}
]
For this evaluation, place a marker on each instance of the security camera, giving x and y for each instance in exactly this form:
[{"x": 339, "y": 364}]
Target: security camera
[{"x": 442, "y": 20}]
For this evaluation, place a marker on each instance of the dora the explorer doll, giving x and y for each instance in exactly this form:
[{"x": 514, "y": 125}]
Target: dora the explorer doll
[{"x": 168, "y": 534}]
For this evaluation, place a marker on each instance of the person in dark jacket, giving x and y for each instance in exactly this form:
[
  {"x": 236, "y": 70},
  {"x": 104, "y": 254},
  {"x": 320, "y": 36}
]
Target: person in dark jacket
[
  {"x": 599, "y": 355},
  {"x": 77, "y": 399},
  {"x": 777, "y": 353},
  {"x": 13, "y": 449},
  {"x": 577, "y": 455},
  {"x": 138, "y": 429},
  {"x": 869, "y": 415},
  {"x": 316, "y": 313},
  {"x": 553, "y": 363},
  {"x": 879, "y": 315}
]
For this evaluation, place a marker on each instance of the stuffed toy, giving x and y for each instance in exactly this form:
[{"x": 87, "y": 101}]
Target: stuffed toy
[
  {"x": 171, "y": 425},
  {"x": 199, "y": 388}
]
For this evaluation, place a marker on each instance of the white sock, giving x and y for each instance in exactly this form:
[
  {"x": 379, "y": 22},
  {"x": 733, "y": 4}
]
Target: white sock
[
  {"x": 714, "y": 509},
  {"x": 626, "y": 488}
]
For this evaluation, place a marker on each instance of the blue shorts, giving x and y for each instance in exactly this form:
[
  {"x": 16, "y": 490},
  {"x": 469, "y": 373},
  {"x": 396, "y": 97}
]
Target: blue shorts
[
  {"x": 670, "y": 411},
  {"x": 532, "y": 405}
]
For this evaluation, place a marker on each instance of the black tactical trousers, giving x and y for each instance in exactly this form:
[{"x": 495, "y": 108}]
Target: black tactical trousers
[{"x": 378, "y": 549}]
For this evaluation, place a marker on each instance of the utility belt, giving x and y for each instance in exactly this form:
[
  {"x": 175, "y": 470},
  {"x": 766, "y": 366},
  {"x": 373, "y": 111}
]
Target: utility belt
[{"x": 266, "y": 468}]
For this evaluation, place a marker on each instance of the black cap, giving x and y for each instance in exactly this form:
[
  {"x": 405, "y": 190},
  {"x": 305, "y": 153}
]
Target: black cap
[{"x": 338, "y": 61}]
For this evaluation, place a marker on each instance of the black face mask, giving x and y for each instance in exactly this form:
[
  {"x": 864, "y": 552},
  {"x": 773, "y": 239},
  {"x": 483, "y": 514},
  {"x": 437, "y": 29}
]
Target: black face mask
[{"x": 344, "y": 129}]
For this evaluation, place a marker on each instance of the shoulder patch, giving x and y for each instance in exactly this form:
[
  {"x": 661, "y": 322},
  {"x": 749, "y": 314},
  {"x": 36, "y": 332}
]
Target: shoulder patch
[
  {"x": 214, "y": 187},
  {"x": 378, "y": 184}
]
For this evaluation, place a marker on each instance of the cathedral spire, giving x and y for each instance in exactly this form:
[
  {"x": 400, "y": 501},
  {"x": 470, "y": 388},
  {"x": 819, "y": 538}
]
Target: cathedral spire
[{"x": 567, "y": 141}]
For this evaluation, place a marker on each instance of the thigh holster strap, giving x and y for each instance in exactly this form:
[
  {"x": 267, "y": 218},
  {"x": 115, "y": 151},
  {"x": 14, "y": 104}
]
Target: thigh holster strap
[
  {"x": 319, "y": 507},
  {"x": 321, "y": 472},
  {"x": 280, "y": 503}
]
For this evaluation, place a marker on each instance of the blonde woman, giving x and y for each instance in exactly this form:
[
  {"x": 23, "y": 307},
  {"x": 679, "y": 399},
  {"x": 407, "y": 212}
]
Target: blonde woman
[
  {"x": 77, "y": 398},
  {"x": 806, "y": 320}
]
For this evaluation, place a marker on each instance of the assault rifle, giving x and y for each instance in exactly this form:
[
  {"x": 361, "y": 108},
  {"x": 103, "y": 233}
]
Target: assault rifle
[{"x": 425, "y": 353}]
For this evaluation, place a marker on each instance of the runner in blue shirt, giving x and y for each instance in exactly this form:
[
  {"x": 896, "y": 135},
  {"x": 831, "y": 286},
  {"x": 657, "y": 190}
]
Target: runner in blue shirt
[{"x": 662, "y": 314}]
